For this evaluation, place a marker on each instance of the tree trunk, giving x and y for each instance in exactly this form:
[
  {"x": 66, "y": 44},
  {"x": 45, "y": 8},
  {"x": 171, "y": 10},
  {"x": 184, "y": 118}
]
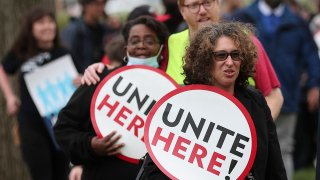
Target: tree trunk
[{"x": 12, "y": 12}]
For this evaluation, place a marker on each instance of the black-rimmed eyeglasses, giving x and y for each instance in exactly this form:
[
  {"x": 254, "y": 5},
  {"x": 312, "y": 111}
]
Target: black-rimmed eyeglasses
[
  {"x": 149, "y": 41},
  {"x": 195, "y": 7},
  {"x": 223, "y": 55}
]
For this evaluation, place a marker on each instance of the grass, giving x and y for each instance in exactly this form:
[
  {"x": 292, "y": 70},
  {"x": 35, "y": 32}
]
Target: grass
[{"x": 305, "y": 174}]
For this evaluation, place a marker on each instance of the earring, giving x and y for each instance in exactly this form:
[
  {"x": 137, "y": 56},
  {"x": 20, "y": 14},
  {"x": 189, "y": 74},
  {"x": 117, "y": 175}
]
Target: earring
[{"x": 125, "y": 59}]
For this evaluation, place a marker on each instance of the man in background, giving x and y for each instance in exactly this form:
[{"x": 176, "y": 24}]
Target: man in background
[
  {"x": 292, "y": 50},
  {"x": 84, "y": 36}
]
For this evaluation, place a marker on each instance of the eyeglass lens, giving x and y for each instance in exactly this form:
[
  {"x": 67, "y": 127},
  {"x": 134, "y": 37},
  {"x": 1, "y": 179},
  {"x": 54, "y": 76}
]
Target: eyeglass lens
[
  {"x": 148, "y": 41},
  {"x": 195, "y": 7},
  {"x": 223, "y": 55}
]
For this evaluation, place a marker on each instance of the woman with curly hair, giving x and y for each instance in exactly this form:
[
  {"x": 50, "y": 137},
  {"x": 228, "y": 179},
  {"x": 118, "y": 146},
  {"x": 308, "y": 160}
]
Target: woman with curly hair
[{"x": 223, "y": 55}]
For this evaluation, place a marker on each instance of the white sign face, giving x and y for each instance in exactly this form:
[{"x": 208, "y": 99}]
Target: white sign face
[
  {"x": 203, "y": 130},
  {"x": 122, "y": 102},
  {"x": 51, "y": 85}
]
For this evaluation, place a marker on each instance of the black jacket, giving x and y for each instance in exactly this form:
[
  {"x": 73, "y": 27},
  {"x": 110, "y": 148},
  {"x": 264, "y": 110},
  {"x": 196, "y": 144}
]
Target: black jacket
[
  {"x": 74, "y": 132},
  {"x": 268, "y": 164}
]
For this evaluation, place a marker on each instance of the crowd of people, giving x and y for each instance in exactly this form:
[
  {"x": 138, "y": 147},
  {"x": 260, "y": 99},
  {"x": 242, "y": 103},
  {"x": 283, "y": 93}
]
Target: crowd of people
[{"x": 264, "y": 54}]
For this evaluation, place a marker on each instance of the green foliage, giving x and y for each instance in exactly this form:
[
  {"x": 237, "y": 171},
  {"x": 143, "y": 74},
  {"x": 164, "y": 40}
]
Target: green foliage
[
  {"x": 305, "y": 174},
  {"x": 62, "y": 19}
]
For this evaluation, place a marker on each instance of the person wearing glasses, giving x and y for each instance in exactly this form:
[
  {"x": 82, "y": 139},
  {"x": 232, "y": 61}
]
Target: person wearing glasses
[
  {"x": 200, "y": 13},
  {"x": 74, "y": 132},
  {"x": 197, "y": 14},
  {"x": 223, "y": 55}
]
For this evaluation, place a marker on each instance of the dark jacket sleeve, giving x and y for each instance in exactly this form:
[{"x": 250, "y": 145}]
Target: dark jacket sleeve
[
  {"x": 10, "y": 63},
  {"x": 150, "y": 171},
  {"x": 73, "y": 129},
  {"x": 275, "y": 168},
  {"x": 70, "y": 33}
]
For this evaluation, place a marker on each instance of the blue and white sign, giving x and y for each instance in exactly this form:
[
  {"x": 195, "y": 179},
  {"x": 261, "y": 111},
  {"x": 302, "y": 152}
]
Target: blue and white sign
[{"x": 51, "y": 86}]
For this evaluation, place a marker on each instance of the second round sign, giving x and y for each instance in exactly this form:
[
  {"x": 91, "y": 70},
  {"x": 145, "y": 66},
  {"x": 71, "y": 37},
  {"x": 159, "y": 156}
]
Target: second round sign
[{"x": 203, "y": 130}]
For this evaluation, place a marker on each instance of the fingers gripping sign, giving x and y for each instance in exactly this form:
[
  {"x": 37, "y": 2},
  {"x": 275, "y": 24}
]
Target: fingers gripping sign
[{"x": 107, "y": 145}]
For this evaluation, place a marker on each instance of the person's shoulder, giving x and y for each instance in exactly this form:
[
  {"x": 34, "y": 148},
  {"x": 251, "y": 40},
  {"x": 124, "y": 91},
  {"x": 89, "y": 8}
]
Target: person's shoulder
[
  {"x": 179, "y": 39},
  {"x": 106, "y": 72},
  {"x": 178, "y": 35},
  {"x": 91, "y": 88},
  {"x": 76, "y": 22},
  {"x": 246, "y": 14},
  {"x": 10, "y": 62},
  {"x": 62, "y": 49},
  {"x": 59, "y": 51},
  {"x": 252, "y": 90},
  {"x": 74, "y": 25},
  {"x": 10, "y": 55},
  {"x": 291, "y": 17},
  {"x": 255, "y": 94}
]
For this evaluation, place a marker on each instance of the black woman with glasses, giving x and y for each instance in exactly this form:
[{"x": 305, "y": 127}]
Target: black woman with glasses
[
  {"x": 143, "y": 38},
  {"x": 223, "y": 55}
]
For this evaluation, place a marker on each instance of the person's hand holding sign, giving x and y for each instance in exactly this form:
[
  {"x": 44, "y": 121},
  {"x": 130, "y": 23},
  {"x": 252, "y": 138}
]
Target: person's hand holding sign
[
  {"x": 121, "y": 102},
  {"x": 107, "y": 146}
]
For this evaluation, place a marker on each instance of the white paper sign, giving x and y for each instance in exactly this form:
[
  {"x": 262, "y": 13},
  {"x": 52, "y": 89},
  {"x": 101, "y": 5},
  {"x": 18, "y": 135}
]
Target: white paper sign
[
  {"x": 51, "y": 85},
  {"x": 201, "y": 132},
  {"x": 122, "y": 101}
]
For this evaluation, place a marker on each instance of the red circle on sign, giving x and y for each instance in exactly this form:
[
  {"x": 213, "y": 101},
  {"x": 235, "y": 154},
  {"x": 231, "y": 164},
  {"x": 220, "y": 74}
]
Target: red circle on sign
[
  {"x": 105, "y": 80},
  {"x": 206, "y": 88}
]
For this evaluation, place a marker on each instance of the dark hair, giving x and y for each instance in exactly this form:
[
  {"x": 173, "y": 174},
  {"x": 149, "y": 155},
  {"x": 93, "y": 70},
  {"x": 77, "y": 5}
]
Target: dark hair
[
  {"x": 115, "y": 49},
  {"x": 199, "y": 56},
  {"x": 180, "y": 2},
  {"x": 143, "y": 10},
  {"x": 159, "y": 28},
  {"x": 25, "y": 45},
  {"x": 85, "y": 2}
]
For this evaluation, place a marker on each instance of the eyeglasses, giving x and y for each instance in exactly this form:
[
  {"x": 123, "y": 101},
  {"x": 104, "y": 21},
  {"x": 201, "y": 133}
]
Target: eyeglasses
[
  {"x": 195, "y": 7},
  {"x": 148, "y": 41},
  {"x": 223, "y": 55}
]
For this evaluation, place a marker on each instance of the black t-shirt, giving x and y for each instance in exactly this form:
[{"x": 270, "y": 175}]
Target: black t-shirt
[{"x": 11, "y": 65}]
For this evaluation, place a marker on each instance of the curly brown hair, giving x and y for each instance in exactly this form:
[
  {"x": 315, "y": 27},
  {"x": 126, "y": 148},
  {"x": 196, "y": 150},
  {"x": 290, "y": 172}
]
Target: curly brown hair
[{"x": 198, "y": 61}]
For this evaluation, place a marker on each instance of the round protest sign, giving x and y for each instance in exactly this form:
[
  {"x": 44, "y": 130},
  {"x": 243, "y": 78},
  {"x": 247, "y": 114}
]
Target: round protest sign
[
  {"x": 202, "y": 130},
  {"x": 122, "y": 102}
]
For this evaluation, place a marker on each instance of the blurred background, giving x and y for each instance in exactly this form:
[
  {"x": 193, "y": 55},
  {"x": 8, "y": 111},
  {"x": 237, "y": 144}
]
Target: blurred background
[{"x": 11, "y": 15}]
